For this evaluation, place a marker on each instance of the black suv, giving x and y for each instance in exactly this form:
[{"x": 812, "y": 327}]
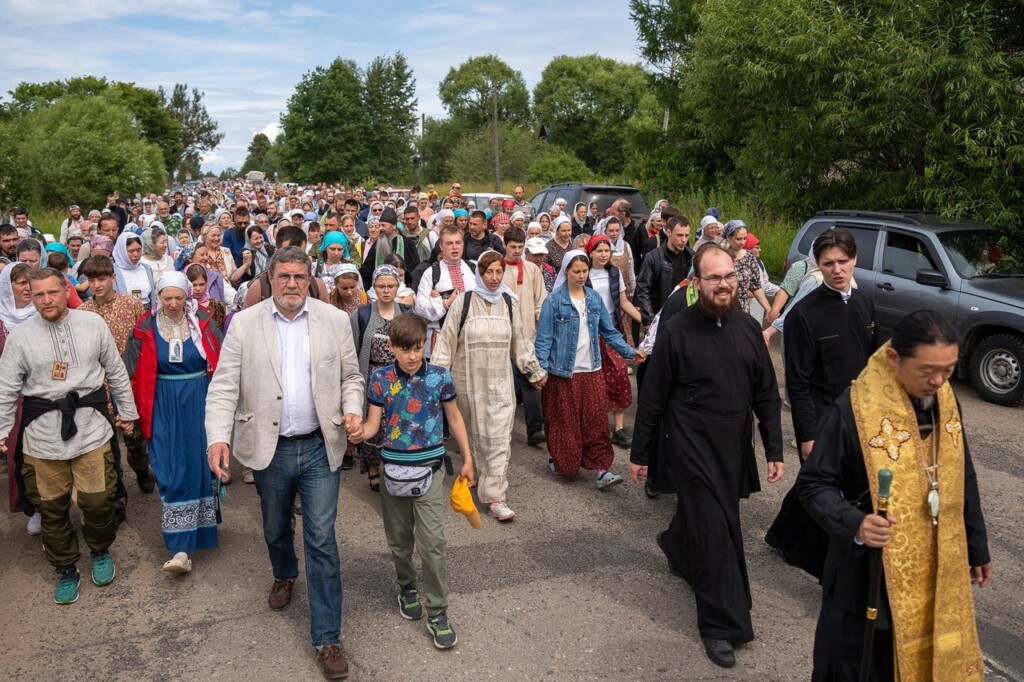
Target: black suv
[
  {"x": 576, "y": 192},
  {"x": 909, "y": 261}
]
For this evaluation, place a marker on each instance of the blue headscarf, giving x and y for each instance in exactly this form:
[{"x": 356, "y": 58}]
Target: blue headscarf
[
  {"x": 332, "y": 238},
  {"x": 60, "y": 248},
  {"x": 732, "y": 226}
]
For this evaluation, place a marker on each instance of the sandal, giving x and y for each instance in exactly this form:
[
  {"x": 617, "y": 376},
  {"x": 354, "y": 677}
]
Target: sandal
[{"x": 375, "y": 482}]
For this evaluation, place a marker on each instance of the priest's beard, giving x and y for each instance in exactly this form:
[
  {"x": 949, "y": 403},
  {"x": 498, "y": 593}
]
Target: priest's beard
[
  {"x": 923, "y": 404},
  {"x": 718, "y": 311}
]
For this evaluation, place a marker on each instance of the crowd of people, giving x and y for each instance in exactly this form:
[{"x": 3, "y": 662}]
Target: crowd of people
[{"x": 311, "y": 327}]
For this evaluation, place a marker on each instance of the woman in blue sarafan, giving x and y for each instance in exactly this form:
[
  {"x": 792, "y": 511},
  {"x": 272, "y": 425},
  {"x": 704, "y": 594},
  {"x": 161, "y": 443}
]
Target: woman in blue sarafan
[{"x": 171, "y": 356}]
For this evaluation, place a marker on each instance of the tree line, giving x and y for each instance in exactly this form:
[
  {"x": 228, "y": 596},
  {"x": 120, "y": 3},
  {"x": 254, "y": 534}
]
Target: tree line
[{"x": 75, "y": 140}]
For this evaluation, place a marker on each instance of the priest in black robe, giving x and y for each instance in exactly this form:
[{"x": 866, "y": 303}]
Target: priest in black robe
[
  {"x": 830, "y": 334},
  {"x": 709, "y": 369}
]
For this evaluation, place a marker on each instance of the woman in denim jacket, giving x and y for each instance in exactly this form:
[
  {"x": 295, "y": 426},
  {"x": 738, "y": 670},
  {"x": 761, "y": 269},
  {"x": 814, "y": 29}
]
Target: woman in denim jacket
[{"x": 572, "y": 320}]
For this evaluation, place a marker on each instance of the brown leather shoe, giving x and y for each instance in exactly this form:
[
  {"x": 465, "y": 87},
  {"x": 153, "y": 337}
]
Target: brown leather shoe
[
  {"x": 332, "y": 662},
  {"x": 280, "y": 594}
]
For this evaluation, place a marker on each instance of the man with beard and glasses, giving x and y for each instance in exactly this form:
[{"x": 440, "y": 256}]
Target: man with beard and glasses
[{"x": 709, "y": 367}]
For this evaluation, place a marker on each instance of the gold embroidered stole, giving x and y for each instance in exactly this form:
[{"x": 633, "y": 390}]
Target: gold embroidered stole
[{"x": 926, "y": 567}]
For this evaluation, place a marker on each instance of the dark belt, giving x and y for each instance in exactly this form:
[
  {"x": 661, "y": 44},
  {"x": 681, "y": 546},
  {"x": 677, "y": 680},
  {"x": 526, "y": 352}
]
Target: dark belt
[{"x": 305, "y": 436}]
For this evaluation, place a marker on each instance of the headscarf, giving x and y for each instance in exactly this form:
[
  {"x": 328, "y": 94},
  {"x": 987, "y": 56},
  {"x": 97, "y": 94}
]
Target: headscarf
[
  {"x": 335, "y": 271},
  {"x": 732, "y": 226},
  {"x": 386, "y": 271},
  {"x": 577, "y": 207},
  {"x": 556, "y": 223},
  {"x": 148, "y": 243},
  {"x": 594, "y": 241},
  {"x": 260, "y": 258},
  {"x": 102, "y": 242},
  {"x": 173, "y": 278},
  {"x": 517, "y": 215},
  {"x": 10, "y": 314},
  {"x": 331, "y": 238},
  {"x": 550, "y": 234},
  {"x": 34, "y": 245},
  {"x": 569, "y": 255},
  {"x": 751, "y": 242},
  {"x": 60, "y": 248},
  {"x": 184, "y": 258},
  {"x": 121, "y": 259},
  {"x": 619, "y": 245},
  {"x": 483, "y": 292},
  {"x": 206, "y": 275}
]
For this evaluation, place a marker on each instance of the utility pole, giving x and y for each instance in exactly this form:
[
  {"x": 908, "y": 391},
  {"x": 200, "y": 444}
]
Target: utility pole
[{"x": 497, "y": 147}]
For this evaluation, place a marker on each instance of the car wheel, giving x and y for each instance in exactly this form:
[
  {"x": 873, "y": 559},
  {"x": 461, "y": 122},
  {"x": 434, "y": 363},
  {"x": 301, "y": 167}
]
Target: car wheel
[{"x": 997, "y": 369}]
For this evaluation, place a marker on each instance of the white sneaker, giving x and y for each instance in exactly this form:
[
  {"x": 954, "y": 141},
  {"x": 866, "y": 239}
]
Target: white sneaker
[
  {"x": 501, "y": 511},
  {"x": 247, "y": 476},
  {"x": 35, "y": 524},
  {"x": 179, "y": 563},
  {"x": 608, "y": 479}
]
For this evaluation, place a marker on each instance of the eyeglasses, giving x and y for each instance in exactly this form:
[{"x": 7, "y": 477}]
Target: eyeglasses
[{"x": 715, "y": 280}]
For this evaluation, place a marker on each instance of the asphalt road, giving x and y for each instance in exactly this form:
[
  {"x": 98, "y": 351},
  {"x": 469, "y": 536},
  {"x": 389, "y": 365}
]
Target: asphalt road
[{"x": 574, "y": 589}]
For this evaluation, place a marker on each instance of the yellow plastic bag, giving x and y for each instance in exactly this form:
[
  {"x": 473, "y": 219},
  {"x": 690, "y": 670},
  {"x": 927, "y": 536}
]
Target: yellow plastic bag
[{"x": 462, "y": 501}]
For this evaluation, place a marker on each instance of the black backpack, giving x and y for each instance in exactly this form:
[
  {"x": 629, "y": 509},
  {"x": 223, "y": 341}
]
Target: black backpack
[{"x": 465, "y": 308}]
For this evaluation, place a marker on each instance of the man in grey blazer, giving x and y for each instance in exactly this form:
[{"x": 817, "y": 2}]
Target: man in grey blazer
[{"x": 287, "y": 396}]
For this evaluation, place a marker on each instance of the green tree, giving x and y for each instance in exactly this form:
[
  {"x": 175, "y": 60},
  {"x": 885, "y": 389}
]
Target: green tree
[
  {"x": 228, "y": 173},
  {"x": 326, "y": 126},
  {"x": 390, "y": 99},
  {"x": 198, "y": 130},
  {"x": 467, "y": 92},
  {"x": 473, "y": 157},
  {"x": 556, "y": 164},
  {"x": 587, "y": 103},
  {"x": 79, "y": 149},
  {"x": 435, "y": 147},
  {"x": 27, "y": 97},
  {"x": 258, "y": 155}
]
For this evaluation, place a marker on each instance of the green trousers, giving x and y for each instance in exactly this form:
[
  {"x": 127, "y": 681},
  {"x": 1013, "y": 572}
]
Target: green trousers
[{"x": 419, "y": 522}]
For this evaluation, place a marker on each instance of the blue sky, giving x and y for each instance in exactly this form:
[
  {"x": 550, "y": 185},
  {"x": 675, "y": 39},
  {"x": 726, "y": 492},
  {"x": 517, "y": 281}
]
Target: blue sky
[{"x": 248, "y": 56}]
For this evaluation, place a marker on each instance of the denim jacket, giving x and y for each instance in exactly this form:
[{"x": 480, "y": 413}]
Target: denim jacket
[{"x": 558, "y": 332}]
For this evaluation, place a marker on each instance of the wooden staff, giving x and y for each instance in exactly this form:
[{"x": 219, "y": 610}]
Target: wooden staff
[{"x": 874, "y": 577}]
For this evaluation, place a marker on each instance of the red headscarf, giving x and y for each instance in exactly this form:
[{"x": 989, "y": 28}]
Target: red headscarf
[
  {"x": 594, "y": 241},
  {"x": 751, "y": 242}
]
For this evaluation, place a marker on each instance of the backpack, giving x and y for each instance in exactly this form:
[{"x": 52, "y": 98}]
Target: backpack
[{"x": 465, "y": 308}]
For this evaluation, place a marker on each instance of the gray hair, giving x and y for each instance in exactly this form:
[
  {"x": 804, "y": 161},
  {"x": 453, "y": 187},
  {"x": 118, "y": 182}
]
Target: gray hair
[{"x": 289, "y": 254}]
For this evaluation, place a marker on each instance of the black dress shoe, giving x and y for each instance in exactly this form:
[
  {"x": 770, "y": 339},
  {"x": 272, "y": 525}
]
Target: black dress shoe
[
  {"x": 346, "y": 462},
  {"x": 664, "y": 550},
  {"x": 720, "y": 652},
  {"x": 536, "y": 438}
]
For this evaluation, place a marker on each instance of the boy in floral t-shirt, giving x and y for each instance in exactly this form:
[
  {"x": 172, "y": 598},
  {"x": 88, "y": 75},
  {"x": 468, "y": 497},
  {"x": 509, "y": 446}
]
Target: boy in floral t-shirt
[{"x": 410, "y": 401}]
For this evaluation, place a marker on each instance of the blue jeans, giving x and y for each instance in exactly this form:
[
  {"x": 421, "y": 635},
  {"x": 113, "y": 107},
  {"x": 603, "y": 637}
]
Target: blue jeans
[{"x": 301, "y": 466}]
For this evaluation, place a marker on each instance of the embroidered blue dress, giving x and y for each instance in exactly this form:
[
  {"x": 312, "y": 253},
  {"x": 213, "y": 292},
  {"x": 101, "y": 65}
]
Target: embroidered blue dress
[{"x": 177, "y": 451}]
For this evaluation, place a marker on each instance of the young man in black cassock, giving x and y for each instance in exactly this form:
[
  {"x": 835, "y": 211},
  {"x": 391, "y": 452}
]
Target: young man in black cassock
[
  {"x": 830, "y": 334},
  {"x": 709, "y": 367}
]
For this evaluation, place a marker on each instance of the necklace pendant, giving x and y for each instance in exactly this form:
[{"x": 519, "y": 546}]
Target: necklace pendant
[{"x": 933, "y": 504}]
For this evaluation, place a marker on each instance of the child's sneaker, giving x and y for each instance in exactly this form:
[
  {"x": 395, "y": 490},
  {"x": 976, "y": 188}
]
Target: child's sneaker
[
  {"x": 409, "y": 603},
  {"x": 67, "y": 585},
  {"x": 606, "y": 479},
  {"x": 441, "y": 630}
]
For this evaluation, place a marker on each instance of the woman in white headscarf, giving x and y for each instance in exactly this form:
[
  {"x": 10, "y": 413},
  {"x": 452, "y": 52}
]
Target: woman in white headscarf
[
  {"x": 154, "y": 250},
  {"x": 171, "y": 356},
  {"x": 131, "y": 275},
  {"x": 16, "y": 307},
  {"x": 483, "y": 329}
]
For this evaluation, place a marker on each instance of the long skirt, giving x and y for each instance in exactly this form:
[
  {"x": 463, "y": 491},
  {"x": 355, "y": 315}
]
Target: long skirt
[
  {"x": 576, "y": 422},
  {"x": 616, "y": 379},
  {"x": 177, "y": 452}
]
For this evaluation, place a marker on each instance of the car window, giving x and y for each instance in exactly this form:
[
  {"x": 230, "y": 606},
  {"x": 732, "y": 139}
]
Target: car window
[
  {"x": 865, "y": 237},
  {"x": 905, "y": 254},
  {"x": 976, "y": 253},
  {"x": 538, "y": 202},
  {"x": 606, "y": 197}
]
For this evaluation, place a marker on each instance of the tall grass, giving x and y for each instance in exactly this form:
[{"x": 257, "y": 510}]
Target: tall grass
[{"x": 48, "y": 220}]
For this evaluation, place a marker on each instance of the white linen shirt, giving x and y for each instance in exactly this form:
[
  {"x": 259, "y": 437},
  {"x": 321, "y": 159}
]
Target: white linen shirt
[{"x": 298, "y": 411}]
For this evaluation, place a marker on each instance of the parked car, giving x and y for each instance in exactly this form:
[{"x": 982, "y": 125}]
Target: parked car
[
  {"x": 604, "y": 195},
  {"x": 908, "y": 261}
]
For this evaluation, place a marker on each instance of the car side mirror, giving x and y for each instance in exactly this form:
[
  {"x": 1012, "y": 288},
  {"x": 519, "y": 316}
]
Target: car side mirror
[{"x": 932, "y": 278}]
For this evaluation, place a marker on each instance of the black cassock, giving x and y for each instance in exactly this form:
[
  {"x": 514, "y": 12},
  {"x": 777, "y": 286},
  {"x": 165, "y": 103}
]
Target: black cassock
[
  {"x": 702, "y": 383},
  {"x": 828, "y": 343}
]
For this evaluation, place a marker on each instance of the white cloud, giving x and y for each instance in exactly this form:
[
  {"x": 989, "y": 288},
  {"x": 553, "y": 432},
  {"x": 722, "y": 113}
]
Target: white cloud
[{"x": 271, "y": 130}]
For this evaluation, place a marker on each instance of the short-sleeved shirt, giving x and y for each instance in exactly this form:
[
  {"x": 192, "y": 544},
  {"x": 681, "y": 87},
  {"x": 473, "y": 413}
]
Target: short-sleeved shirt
[{"x": 412, "y": 423}]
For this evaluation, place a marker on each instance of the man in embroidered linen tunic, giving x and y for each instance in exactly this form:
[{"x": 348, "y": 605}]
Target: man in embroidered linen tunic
[
  {"x": 58, "y": 361},
  {"x": 899, "y": 414}
]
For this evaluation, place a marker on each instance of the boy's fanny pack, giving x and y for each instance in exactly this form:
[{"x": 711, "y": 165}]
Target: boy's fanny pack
[{"x": 403, "y": 480}]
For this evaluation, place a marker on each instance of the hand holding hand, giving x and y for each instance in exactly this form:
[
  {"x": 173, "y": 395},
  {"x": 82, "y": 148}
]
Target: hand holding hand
[
  {"x": 639, "y": 357},
  {"x": 875, "y": 531},
  {"x": 354, "y": 428},
  {"x": 219, "y": 456},
  {"x": 775, "y": 471},
  {"x": 540, "y": 384},
  {"x": 126, "y": 426},
  {"x": 637, "y": 473}
]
